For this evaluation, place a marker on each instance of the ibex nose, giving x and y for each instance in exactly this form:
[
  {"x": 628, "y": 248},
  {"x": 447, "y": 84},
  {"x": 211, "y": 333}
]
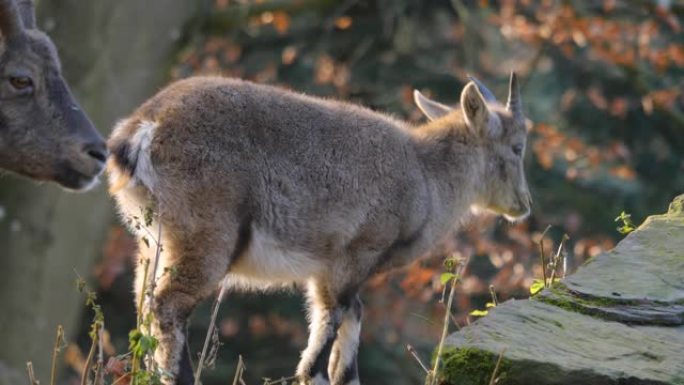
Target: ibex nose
[{"x": 96, "y": 150}]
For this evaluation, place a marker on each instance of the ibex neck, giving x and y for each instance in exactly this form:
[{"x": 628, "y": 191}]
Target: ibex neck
[{"x": 453, "y": 162}]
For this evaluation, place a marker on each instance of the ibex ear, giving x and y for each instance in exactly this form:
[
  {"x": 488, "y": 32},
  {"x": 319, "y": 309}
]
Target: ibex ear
[
  {"x": 433, "y": 110},
  {"x": 10, "y": 23},
  {"x": 27, "y": 11},
  {"x": 474, "y": 108}
]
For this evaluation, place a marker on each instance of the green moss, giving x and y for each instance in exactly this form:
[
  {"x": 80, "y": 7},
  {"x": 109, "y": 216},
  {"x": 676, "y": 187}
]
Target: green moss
[
  {"x": 560, "y": 289},
  {"x": 559, "y": 295},
  {"x": 470, "y": 366},
  {"x": 558, "y": 324},
  {"x": 563, "y": 301}
]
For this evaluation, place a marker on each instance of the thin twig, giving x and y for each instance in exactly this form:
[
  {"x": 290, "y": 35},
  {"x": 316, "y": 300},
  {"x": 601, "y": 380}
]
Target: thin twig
[
  {"x": 135, "y": 360},
  {"x": 91, "y": 355},
  {"x": 145, "y": 302},
  {"x": 541, "y": 253},
  {"x": 126, "y": 377},
  {"x": 99, "y": 372},
  {"x": 141, "y": 300},
  {"x": 59, "y": 339},
  {"x": 424, "y": 318},
  {"x": 414, "y": 353},
  {"x": 492, "y": 381},
  {"x": 455, "y": 321},
  {"x": 492, "y": 292},
  {"x": 281, "y": 380},
  {"x": 31, "y": 374},
  {"x": 153, "y": 283},
  {"x": 210, "y": 332},
  {"x": 445, "y": 329},
  {"x": 238, "y": 371},
  {"x": 557, "y": 257}
]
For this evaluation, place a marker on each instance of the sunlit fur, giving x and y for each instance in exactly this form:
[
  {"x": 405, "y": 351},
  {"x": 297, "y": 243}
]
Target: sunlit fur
[
  {"x": 263, "y": 187},
  {"x": 44, "y": 134}
]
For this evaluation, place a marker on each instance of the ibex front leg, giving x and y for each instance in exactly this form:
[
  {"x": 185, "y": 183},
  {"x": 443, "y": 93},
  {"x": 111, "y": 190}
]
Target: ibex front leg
[
  {"x": 194, "y": 275},
  {"x": 325, "y": 318},
  {"x": 343, "y": 368}
]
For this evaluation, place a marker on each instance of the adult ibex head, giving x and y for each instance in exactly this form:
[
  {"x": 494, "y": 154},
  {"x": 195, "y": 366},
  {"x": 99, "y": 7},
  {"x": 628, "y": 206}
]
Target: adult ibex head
[{"x": 44, "y": 134}]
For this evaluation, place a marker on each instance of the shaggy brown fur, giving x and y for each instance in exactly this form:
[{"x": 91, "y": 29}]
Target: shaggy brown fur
[
  {"x": 265, "y": 187},
  {"x": 43, "y": 132}
]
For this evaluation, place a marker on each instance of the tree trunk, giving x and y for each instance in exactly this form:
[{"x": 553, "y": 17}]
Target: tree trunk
[{"x": 115, "y": 54}]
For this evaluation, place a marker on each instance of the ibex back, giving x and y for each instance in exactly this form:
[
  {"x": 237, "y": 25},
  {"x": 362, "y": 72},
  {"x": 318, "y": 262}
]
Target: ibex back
[
  {"x": 44, "y": 134},
  {"x": 267, "y": 187}
]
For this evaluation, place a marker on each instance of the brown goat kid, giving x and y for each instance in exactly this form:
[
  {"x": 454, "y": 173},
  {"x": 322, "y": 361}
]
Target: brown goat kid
[
  {"x": 44, "y": 134},
  {"x": 266, "y": 187}
]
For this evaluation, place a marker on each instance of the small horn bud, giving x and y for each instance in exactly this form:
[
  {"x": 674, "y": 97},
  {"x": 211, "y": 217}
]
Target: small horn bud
[
  {"x": 27, "y": 13},
  {"x": 10, "y": 23},
  {"x": 514, "y": 104}
]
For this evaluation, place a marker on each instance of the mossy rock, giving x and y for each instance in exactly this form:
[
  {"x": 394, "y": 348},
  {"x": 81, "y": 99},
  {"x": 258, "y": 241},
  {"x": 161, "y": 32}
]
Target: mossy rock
[
  {"x": 648, "y": 265},
  {"x": 548, "y": 345},
  {"x": 618, "y": 320},
  {"x": 645, "y": 312},
  {"x": 677, "y": 206}
]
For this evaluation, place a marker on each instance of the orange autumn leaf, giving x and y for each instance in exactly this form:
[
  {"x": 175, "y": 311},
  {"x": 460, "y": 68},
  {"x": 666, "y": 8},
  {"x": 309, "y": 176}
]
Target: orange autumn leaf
[
  {"x": 343, "y": 22},
  {"x": 623, "y": 172},
  {"x": 281, "y": 22}
]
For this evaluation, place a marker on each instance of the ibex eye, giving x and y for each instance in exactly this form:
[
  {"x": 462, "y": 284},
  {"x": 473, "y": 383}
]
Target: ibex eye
[
  {"x": 21, "y": 82},
  {"x": 518, "y": 149}
]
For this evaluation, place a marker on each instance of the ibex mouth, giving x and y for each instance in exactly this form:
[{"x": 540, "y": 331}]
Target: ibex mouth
[
  {"x": 521, "y": 209},
  {"x": 81, "y": 183},
  {"x": 75, "y": 180},
  {"x": 511, "y": 214}
]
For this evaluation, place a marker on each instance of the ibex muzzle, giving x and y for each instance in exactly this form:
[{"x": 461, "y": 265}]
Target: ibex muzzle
[{"x": 44, "y": 134}]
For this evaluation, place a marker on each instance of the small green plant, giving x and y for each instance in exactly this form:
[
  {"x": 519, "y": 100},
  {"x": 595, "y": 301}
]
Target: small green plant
[
  {"x": 480, "y": 312},
  {"x": 488, "y": 305},
  {"x": 626, "y": 224},
  {"x": 537, "y": 286},
  {"x": 137, "y": 365},
  {"x": 96, "y": 327},
  {"x": 141, "y": 343}
]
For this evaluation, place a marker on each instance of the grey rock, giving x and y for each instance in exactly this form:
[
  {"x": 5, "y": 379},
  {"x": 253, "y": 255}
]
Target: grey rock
[
  {"x": 618, "y": 320},
  {"x": 546, "y": 344}
]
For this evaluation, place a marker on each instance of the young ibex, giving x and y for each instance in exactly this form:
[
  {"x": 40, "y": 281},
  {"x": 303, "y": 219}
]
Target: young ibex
[
  {"x": 267, "y": 187},
  {"x": 44, "y": 134}
]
